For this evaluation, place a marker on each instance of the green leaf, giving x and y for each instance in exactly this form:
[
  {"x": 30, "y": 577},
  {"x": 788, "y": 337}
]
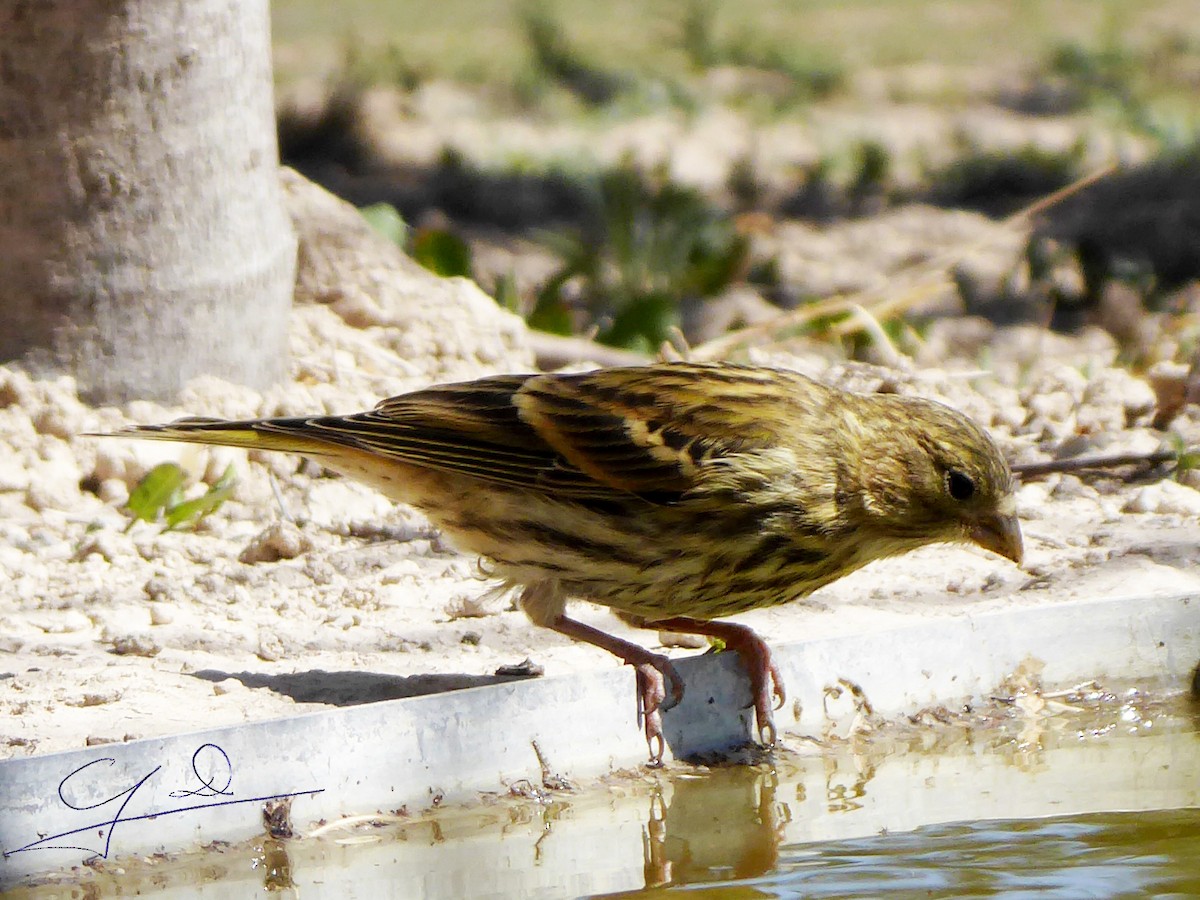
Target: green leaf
[
  {"x": 442, "y": 252},
  {"x": 158, "y": 490},
  {"x": 507, "y": 295},
  {"x": 550, "y": 313},
  {"x": 643, "y": 323},
  {"x": 189, "y": 512},
  {"x": 384, "y": 218}
]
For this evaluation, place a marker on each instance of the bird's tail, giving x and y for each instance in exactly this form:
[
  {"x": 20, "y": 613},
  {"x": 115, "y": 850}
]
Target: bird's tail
[{"x": 289, "y": 435}]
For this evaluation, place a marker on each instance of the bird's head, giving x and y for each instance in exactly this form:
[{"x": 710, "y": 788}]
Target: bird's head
[{"x": 931, "y": 474}]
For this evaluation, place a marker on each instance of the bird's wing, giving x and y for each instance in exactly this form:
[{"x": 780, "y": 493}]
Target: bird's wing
[
  {"x": 650, "y": 430},
  {"x": 471, "y": 429},
  {"x": 609, "y": 434}
]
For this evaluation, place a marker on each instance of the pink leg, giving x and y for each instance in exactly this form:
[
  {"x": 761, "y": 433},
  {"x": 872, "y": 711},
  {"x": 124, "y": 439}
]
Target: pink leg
[
  {"x": 765, "y": 681},
  {"x": 654, "y": 671}
]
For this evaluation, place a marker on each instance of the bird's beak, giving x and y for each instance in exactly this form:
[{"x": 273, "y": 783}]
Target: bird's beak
[{"x": 1001, "y": 534}]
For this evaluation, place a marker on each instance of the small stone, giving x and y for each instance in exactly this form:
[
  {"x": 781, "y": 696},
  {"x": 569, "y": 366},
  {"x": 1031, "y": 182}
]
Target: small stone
[
  {"x": 678, "y": 639},
  {"x": 282, "y": 540},
  {"x": 95, "y": 699},
  {"x": 163, "y": 590},
  {"x": 361, "y": 597},
  {"x": 53, "y": 420},
  {"x": 471, "y": 638},
  {"x": 1072, "y": 486},
  {"x": 70, "y": 621},
  {"x": 526, "y": 668},
  {"x": 1169, "y": 384},
  {"x": 1190, "y": 477},
  {"x": 110, "y": 462},
  {"x": 1165, "y": 498},
  {"x": 136, "y": 645},
  {"x": 47, "y": 495},
  {"x": 1054, "y": 406},
  {"x": 113, "y": 492},
  {"x": 108, "y": 545},
  {"x": 1179, "y": 499},
  {"x": 402, "y": 572},
  {"x": 13, "y": 475},
  {"x": 161, "y": 614},
  {"x": 469, "y": 606},
  {"x": 1144, "y": 501},
  {"x": 270, "y": 646},
  {"x": 228, "y": 686}
]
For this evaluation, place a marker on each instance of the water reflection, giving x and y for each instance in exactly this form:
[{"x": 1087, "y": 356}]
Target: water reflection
[
  {"x": 1102, "y": 855},
  {"x": 861, "y": 815},
  {"x": 851, "y": 822},
  {"x": 276, "y": 866},
  {"x": 728, "y": 824}
]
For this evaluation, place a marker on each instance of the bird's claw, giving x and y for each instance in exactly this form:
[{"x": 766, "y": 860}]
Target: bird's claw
[
  {"x": 767, "y": 692},
  {"x": 650, "y": 692},
  {"x": 653, "y": 699},
  {"x": 651, "y": 696},
  {"x": 672, "y": 681},
  {"x": 657, "y": 747}
]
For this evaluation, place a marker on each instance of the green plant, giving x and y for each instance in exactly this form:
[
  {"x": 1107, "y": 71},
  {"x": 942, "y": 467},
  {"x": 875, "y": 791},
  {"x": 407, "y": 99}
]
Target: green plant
[
  {"x": 442, "y": 252},
  {"x": 1186, "y": 458},
  {"x": 557, "y": 60},
  {"x": 812, "y": 75},
  {"x": 365, "y": 65},
  {"x": 506, "y": 293},
  {"x": 744, "y": 184},
  {"x": 697, "y": 34},
  {"x": 1146, "y": 85},
  {"x": 384, "y": 218},
  {"x": 652, "y": 246},
  {"x": 438, "y": 249},
  {"x": 1105, "y": 69},
  {"x": 159, "y": 496},
  {"x": 872, "y": 169}
]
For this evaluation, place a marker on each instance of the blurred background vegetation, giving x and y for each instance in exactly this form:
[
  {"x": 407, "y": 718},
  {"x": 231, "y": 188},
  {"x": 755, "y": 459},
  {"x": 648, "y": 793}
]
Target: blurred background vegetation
[{"x": 652, "y": 171}]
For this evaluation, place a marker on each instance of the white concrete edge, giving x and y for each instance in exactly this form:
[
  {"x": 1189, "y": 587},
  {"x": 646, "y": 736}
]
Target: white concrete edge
[{"x": 179, "y": 791}]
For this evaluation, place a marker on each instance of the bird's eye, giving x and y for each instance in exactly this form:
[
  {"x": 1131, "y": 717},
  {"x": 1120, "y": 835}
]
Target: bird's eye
[{"x": 960, "y": 486}]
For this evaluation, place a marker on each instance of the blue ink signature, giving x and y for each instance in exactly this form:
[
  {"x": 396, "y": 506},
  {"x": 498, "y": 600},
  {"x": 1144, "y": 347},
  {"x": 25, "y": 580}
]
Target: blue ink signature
[{"x": 207, "y": 756}]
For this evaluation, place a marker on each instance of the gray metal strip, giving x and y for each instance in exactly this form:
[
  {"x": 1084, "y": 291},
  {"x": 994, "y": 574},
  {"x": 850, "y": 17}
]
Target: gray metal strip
[{"x": 181, "y": 791}]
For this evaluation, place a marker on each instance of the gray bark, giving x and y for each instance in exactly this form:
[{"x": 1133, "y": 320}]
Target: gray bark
[{"x": 143, "y": 238}]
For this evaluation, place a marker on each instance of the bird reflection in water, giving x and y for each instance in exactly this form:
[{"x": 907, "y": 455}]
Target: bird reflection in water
[{"x": 727, "y": 823}]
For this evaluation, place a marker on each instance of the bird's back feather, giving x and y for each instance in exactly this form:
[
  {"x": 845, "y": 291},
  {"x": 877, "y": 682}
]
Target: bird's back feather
[{"x": 641, "y": 431}]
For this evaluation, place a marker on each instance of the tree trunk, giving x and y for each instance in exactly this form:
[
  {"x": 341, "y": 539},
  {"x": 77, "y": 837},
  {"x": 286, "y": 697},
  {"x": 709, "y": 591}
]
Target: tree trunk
[{"x": 143, "y": 238}]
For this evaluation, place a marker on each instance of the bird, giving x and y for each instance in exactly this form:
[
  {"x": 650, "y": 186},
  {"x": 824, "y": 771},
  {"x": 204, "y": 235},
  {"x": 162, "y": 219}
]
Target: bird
[{"x": 676, "y": 494}]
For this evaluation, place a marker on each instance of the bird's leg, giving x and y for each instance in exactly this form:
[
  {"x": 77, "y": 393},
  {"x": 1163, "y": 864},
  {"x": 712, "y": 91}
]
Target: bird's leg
[
  {"x": 765, "y": 681},
  {"x": 654, "y": 674}
]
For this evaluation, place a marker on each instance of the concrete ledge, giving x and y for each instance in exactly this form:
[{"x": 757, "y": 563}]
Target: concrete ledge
[{"x": 186, "y": 790}]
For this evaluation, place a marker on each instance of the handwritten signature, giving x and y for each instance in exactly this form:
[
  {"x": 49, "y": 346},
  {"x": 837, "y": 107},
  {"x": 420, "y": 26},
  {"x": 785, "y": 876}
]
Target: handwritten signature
[{"x": 215, "y": 788}]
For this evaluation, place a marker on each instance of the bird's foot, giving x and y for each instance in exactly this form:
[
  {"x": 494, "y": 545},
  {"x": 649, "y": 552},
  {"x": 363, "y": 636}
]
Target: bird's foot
[
  {"x": 653, "y": 676},
  {"x": 766, "y": 684},
  {"x": 659, "y": 686}
]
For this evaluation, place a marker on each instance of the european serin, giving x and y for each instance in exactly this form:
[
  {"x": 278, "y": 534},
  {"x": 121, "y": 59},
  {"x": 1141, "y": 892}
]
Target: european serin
[{"x": 675, "y": 494}]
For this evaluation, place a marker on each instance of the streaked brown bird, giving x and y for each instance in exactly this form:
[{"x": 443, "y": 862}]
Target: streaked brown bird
[{"x": 674, "y": 494}]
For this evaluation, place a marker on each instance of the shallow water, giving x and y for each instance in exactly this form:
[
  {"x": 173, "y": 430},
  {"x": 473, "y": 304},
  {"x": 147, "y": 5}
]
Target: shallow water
[
  {"x": 1089, "y": 795},
  {"x": 1129, "y": 854}
]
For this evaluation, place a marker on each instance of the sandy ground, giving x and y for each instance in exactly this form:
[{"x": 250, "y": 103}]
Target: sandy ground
[
  {"x": 307, "y": 590},
  {"x": 328, "y": 594}
]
